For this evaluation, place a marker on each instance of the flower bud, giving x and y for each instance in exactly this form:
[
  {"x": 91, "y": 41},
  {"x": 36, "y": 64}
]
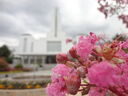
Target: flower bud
[
  {"x": 73, "y": 83},
  {"x": 68, "y": 40},
  {"x": 81, "y": 71},
  {"x": 61, "y": 58},
  {"x": 72, "y": 52}
]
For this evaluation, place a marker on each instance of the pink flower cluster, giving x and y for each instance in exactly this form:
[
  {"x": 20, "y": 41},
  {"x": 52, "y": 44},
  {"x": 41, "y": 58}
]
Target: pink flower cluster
[
  {"x": 57, "y": 87},
  {"x": 89, "y": 68},
  {"x": 100, "y": 70},
  {"x": 64, "y": 80},
  {"x": 113, "y": 78},
  {"x": 85, "y": 45}
]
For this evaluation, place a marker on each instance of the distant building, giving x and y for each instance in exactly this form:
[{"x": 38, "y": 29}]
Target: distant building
[{"x": 43, "y": 50}]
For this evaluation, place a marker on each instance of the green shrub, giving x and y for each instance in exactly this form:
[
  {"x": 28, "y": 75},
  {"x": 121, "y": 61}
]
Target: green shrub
[
  {"x": 19, "y": 66},
  {"x": 9, "y": 60}
]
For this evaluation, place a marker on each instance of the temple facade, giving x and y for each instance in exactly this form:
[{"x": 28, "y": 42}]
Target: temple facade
[{"x": 42, "y": 51}]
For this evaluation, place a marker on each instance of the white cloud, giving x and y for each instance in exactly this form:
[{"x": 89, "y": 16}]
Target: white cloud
[
  {"x": 71, "y": 11},
  {"x": 35, "y": 17},
  {"x": 9, "y": 41}
]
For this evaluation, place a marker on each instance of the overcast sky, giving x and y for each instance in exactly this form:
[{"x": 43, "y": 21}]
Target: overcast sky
[{"x": 35, "y": 17}]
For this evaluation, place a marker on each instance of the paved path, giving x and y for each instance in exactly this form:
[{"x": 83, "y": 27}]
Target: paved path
[
  {"x": 32, "y": 74},
  {"x": 36, "y": 73}
]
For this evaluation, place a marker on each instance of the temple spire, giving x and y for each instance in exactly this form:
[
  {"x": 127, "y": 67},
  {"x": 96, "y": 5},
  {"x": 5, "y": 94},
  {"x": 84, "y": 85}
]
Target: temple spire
[
  {"x": 56, "y": 23},
  {"x": 56, "y": 29}
]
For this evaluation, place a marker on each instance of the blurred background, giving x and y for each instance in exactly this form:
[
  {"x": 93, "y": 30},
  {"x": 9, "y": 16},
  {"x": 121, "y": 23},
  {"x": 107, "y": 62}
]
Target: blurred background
[{"x": 32, "y": 32}]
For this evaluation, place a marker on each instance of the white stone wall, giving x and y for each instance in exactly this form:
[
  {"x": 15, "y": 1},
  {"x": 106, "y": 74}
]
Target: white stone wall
[{"x": 40, "y": 45}]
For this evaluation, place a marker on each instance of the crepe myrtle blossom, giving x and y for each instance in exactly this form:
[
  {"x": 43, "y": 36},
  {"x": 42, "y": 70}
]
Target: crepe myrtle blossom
[
  {"x": 58, "y": 86},
  {"x": 85, "y": 45},
  {"x": 109, "y": 77},
  {"x": 55, "y": 89},
  {"x": 101, "y": 74},
  {"x": 64, "y": 80},
  {"x": 93, "y": 69},
  {"x": 60, "y": 71}
]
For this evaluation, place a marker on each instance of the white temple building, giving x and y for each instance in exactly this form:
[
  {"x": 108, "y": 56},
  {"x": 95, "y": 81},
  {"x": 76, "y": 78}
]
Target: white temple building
[{"x": 42, "y": 51}]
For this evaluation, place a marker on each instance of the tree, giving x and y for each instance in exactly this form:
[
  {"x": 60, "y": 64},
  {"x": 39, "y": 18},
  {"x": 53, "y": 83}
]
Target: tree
[
  {"x": 4, "y": 51},
  {"x": 114, "y": 7}
]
